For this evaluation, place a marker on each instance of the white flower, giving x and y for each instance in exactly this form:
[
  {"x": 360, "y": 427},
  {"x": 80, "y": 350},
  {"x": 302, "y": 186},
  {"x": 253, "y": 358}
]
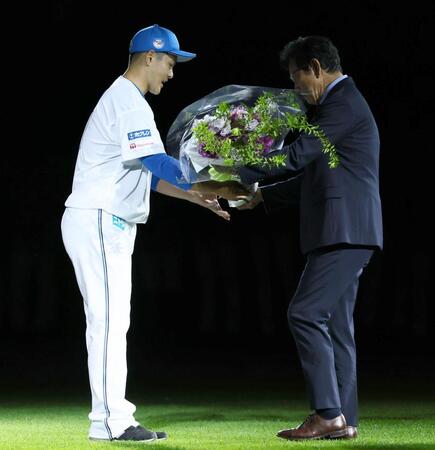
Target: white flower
[
  {"x": 252, "y": 125},
  {"x": 226, "y": 130},
  {"x": 217, "y": 124}
]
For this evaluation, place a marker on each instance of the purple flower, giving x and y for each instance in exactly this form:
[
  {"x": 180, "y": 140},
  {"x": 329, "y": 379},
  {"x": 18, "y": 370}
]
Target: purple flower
[
  {"x": 266, "y": 142},
  {"x": 238, "y": 113},
  {"x": 207, "y": 154}
]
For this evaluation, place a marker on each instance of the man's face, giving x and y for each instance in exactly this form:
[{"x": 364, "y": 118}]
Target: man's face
[
  {"x": 161, "y": 66},
  {"x": 307, "y": 84}
]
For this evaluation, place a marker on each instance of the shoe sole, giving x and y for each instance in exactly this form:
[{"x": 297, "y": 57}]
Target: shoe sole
[
  {"x": 122, "y": 440},
  {"x": 341, "y": 434}
]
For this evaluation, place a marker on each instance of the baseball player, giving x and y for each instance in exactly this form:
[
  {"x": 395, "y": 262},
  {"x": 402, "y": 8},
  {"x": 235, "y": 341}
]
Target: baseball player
[{"x": 122, "y": 157}]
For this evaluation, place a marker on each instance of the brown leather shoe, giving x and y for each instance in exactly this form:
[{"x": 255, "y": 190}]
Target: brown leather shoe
[
  {"x": 352, "y": 432},
  {"x": 315, "y": 427}
]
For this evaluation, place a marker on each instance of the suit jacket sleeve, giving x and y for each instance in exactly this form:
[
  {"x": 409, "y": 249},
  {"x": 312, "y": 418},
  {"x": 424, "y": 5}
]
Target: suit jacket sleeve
[{"x": 282, "y": 194}]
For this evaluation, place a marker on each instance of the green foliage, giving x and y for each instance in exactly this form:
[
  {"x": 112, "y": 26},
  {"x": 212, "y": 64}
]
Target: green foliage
[{"x": 221, "y": 176}]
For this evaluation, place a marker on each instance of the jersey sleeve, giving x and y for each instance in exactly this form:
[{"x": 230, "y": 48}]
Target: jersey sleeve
[
  {"x": 139, "y": 135},
  {"x": 167, "y": 168}
]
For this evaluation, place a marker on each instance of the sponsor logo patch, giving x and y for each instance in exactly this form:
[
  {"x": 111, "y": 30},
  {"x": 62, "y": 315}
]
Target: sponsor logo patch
[
  {"x": 134, "y": 146},
  {"x": 118, "y": 222},
  {"x": 139, "y": 134}
]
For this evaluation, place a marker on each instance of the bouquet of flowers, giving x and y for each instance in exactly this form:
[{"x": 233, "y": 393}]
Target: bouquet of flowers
[{"x": 237, "y": 126}]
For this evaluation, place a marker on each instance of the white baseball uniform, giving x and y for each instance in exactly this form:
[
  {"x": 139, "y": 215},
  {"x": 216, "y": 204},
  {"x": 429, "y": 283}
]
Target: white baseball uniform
[{"x": 110, "y": 195}]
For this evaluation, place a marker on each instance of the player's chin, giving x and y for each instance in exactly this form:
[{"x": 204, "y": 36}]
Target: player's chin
[{"x": 156, "y": 89}]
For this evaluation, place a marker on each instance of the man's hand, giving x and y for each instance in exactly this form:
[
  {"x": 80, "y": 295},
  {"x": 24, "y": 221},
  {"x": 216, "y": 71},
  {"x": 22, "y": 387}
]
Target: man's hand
[
  {"x": 210, "y": 202},
  {"x": 252, "y": 202},
  {"x": 230, "y": 190}
]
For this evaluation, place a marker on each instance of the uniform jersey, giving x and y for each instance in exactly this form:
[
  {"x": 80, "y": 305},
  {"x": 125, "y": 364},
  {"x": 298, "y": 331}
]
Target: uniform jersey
[{"x": 109, "y": 174}]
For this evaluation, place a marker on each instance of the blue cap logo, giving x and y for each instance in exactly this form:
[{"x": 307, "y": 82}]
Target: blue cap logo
[
  {"x": 160, "y": 40},
  {"x": 158, "y": 43}
]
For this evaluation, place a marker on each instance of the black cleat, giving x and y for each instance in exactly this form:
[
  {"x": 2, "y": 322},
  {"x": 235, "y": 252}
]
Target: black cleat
[
  {"x": 161, "y": 435},
  {"x": 137, "y": 434}
]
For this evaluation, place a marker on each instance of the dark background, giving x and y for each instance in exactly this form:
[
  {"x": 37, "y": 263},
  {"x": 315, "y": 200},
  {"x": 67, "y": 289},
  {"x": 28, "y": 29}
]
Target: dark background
[{"x": 208, "y": 293}]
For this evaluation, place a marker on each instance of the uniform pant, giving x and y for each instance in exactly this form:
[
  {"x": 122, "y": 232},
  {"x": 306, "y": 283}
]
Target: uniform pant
[
  {"x": 100, "y": 246},
  {"x": 321, "y": 320}
]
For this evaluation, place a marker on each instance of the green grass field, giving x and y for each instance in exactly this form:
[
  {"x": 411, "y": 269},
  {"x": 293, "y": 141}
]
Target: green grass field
[{"x": 206, "y": 418}]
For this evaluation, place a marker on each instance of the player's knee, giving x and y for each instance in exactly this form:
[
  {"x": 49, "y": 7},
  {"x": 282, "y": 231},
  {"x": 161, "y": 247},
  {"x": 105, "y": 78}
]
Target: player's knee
[
  {"x": 101, "y": 324},
  {"x": 294, "y": 315},
  {"x": 298, "y": 314}
]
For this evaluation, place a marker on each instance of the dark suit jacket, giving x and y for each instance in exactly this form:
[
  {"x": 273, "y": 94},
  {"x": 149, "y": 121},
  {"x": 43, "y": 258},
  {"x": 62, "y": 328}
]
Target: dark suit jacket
[{"x": 341, "y": 205}]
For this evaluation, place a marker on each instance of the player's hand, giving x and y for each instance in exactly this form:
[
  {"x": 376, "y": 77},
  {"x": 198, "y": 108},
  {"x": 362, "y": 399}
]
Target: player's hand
[
  {"x": 252, "y": 202},
  {"x": 230, "y": 190},
  {"x": 210, "y": 202}
]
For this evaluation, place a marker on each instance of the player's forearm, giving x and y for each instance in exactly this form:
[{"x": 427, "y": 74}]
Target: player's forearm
[{"x": 165, "y": 188}]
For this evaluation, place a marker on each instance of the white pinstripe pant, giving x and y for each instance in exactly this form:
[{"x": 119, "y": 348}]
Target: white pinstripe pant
[{"x": 100, "y": 246}]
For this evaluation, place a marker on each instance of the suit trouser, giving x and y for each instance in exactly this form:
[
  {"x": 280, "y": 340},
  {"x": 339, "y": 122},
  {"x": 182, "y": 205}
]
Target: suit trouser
[
  {"x": 321, "y": 320},
  {"x": 100, "y": 246}
]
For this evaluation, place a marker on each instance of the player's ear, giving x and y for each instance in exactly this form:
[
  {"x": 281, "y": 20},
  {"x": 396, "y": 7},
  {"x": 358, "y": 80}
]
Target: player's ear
[{"x": 149, "y": 56}]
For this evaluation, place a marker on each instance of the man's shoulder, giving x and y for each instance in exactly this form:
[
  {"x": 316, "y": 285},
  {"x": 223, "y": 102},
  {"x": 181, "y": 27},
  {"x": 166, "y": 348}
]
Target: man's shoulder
[
  {"x": 120, "y": 88},
  {"x": 343, "y": 91},
  {"x": 344, "y": 96},
  {"x": 122, "y": 97}
]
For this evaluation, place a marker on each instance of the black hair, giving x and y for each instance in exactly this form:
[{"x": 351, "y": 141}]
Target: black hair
[{"x": 302, "y": 50}]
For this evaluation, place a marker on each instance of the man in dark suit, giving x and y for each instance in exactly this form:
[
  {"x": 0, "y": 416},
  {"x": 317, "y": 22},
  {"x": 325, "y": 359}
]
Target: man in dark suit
[{"x": 340, "y": 227}]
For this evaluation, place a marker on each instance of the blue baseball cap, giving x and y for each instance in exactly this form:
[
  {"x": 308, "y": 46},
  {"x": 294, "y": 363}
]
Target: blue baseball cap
[{"x": 160, "y": 40}]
